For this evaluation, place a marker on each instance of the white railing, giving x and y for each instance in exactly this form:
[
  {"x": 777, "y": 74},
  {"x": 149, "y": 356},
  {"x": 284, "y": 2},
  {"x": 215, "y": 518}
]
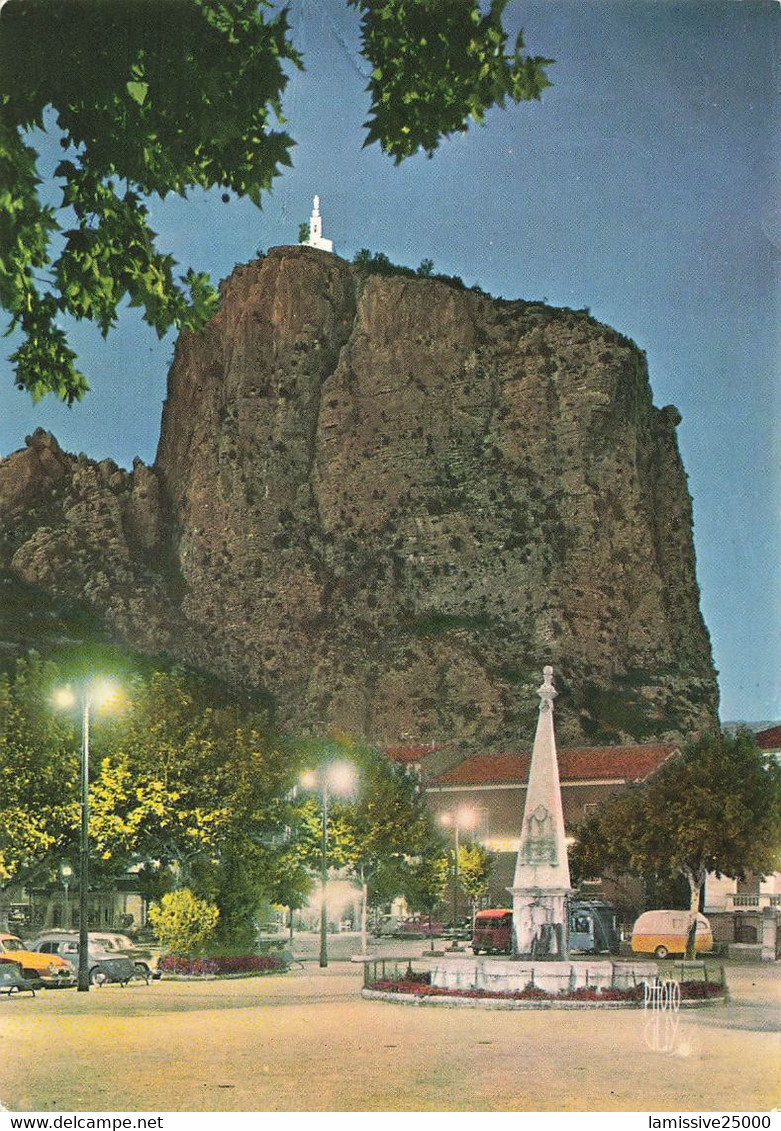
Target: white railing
[{"x": 745, "y": 901}]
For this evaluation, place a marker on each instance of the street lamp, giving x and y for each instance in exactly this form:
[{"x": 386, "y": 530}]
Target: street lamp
[
  {"x": 339, "y": 778},
  {"x": 457, "y": 820},
  {"x": 92, "y": 695}
]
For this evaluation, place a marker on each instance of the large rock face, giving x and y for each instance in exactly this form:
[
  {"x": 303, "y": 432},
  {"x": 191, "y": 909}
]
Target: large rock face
[{"x": 389, "y": 502}]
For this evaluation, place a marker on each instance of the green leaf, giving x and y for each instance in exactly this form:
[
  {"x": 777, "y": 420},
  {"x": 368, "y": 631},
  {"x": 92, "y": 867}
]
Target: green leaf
[{"x": 138, "y": 91}]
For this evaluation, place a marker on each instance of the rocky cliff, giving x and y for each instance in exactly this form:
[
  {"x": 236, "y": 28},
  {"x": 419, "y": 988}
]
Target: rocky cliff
[{"x": 388, "y": 502}]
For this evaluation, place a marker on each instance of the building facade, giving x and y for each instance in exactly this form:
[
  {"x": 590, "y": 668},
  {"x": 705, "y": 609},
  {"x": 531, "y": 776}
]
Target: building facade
[{"x": 488, "y": 791}]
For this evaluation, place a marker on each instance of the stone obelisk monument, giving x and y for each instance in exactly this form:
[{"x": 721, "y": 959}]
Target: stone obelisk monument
[{"x": 542, "y": 881}]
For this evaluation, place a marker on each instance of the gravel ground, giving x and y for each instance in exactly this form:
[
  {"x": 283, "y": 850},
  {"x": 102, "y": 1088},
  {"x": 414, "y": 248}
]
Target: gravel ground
[{"x": 307, "y": 1041}]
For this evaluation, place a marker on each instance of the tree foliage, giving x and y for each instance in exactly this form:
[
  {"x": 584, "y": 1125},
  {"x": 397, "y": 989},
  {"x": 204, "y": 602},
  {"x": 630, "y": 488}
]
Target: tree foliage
[
  {"x": 177, "y": 775},
  {"x": 195, "y": 789},
  {"x": 386, "y": 823},
  {"x": 378, "y": 263},
  {"x": 38, "y": 768},
  {"x": 437, "y": 65},
  {"x": 475, "y": 864},
  {"x": 199, "y": 792},
  {"x": 236, "y": 882},
  {"x": 716, "y": 809},
  {"x": 150, "y": 97},
  {"x": 428, "y": 877},
  {"x": 378, "y": 831},
  {"x": 201, "y": 789}
]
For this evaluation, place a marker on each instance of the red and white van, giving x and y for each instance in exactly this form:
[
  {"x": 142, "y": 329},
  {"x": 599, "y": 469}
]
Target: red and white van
[{"x": 493, "y": 931}]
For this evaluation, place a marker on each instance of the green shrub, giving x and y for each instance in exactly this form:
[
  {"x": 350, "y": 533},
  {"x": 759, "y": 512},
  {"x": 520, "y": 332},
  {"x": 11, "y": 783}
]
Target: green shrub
[{"x": 184, "y": 924}]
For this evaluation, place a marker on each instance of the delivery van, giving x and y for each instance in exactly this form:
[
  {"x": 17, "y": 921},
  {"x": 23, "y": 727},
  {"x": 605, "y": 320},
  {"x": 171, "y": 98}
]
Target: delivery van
[
  {"x": 664, "y": 932},
  {"x": 593, "y": 927},
  {"x": 493, "y": 931}
]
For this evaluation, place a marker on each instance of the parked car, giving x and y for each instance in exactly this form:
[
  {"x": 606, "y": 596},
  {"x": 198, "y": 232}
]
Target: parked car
[
  {"x": 144, "y": 961},
  {"x": 418, "y": 927},
  {"x": 103, "y": 966},
  {"x": 48, "y": 970},
  {"x": 664, "y": 932}
]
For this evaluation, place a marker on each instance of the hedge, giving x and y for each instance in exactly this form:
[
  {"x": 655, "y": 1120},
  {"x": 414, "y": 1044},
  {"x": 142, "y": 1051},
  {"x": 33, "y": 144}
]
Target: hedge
[{"x": 222, "y": 964}]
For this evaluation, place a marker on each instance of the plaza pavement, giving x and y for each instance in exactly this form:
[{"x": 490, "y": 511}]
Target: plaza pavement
[{"x": 307, "y": 1041}]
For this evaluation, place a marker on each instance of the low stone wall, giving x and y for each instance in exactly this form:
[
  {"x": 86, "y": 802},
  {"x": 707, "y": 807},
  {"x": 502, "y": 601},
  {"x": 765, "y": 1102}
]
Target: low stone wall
[
  {"x": 495, "y": 1003},
  {"x": 454, "y": 1002},
  {"x": 507, "y": 976}
]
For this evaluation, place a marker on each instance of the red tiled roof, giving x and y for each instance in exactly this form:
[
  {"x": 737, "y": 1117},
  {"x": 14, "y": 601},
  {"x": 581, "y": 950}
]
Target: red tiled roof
[
  {"x": 407, "y": 754},
  {"x": 769, "y": 739},
  {"x": 594, "y": 763}
]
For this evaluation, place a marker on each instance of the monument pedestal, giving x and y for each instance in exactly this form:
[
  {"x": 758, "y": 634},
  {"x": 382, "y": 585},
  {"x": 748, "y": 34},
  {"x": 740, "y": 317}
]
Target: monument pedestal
[
  {"x": 507, "y": 975},
  {"x": 540, "y": 922}
]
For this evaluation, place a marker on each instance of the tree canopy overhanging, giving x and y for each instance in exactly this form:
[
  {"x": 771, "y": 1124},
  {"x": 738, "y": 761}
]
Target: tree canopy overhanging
[{"x": 150, "y": 97}]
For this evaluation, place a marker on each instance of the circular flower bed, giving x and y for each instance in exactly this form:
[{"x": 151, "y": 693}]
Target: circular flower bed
[
  {"x": 223, "y": 964},
  {"x": 418, "y": 986}
]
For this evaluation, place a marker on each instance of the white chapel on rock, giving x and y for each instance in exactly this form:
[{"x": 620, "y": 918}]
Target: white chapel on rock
[{"x": 316, "y": 229}]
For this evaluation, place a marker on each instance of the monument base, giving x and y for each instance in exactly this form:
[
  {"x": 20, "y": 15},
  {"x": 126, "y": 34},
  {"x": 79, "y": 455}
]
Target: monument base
[
  {"x": 539, "y": 922},
  {"x": 507, "y": 975}
]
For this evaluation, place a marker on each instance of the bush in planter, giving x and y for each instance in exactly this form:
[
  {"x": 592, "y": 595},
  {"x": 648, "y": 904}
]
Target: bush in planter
[
  {"x": 223, "y": 964},
  {"x": 183, "y": 923},
  {"x": 692, "y": 990},
  {"x": 180, "y": 964},
  {"x": 604, "y": 993},
  {"x": 249, "y": 963}
]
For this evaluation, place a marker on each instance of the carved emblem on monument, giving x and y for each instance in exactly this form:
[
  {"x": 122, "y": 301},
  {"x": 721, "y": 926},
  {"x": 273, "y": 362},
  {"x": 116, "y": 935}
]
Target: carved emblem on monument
[{"x": 540, "y": 842}]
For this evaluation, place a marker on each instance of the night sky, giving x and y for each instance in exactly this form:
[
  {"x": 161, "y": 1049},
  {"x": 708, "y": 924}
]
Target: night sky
[{"x": 641, "y": 186}]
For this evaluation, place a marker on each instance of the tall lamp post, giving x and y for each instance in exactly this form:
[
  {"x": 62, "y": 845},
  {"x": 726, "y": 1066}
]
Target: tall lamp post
[
  {"x": 457, "y": 820},
  {"x": 91, "y": 695},
  {"x": 335, "y": 777}
]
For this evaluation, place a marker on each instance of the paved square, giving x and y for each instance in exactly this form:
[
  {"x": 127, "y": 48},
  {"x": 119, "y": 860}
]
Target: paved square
[{"x": 307, "y": 1041}]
